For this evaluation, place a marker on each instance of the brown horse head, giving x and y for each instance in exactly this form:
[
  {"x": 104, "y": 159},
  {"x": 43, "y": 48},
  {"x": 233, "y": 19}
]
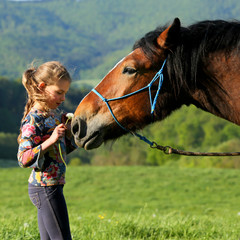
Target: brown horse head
[{"x": 186, "y": 81}]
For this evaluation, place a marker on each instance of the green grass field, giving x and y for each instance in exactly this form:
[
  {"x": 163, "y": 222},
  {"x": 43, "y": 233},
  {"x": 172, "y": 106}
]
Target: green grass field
[{"x": 131, "y": 203}]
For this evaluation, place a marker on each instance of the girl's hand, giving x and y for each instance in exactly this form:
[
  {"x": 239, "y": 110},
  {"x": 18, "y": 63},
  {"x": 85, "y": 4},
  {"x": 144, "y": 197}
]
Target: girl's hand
[{"x": 58, "y": 133}]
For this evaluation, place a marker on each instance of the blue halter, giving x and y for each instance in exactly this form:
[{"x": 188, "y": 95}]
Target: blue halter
[{"x": 152, "y": 101}]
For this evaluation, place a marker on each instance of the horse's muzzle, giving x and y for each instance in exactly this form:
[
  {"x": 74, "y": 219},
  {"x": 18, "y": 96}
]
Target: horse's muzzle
[{"x": 83, "y": 138}]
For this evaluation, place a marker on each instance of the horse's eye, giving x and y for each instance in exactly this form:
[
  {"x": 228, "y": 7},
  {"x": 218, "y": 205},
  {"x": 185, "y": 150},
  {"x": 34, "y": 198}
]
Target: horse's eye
[{"x": 129, "y": 70}]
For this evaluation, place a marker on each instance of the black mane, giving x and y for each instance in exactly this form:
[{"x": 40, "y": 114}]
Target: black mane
[{"x": 189, "y": 58}]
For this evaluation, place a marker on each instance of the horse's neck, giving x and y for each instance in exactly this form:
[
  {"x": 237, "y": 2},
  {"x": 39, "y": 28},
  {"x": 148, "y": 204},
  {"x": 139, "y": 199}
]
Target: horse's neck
[
  {"x": 222, "y": 100},
  {"x": 227, "y": 109}
]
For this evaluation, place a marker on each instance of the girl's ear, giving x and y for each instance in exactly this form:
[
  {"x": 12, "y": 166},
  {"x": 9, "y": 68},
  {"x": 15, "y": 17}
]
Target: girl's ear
[{"x": 41, "y": 86}]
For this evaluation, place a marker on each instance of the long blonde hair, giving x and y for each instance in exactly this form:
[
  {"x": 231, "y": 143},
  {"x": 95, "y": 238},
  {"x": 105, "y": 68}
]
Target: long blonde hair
[{"x": 49, "y": 73}]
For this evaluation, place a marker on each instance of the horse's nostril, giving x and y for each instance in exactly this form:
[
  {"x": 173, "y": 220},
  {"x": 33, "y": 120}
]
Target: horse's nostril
[
  {"x": 75, "y": 127},
  {"x": 78, "y": 128}
]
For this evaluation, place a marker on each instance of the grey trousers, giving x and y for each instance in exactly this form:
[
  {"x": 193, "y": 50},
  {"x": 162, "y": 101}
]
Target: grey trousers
[{"x": 53, "y": 219}]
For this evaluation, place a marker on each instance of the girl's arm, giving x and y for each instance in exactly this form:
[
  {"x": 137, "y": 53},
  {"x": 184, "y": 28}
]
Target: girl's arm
[
  {"x": 29, "y": 149},
  {"x": 30, "y": 153}
]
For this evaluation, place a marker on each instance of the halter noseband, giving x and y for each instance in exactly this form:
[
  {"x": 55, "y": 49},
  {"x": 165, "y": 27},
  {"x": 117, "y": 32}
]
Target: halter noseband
[{"x": 153, "y": 102}]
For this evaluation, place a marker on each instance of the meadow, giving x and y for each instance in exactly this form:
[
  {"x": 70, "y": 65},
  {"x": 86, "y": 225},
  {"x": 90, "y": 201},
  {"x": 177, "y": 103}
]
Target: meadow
[{"x": 131, "y": 203}]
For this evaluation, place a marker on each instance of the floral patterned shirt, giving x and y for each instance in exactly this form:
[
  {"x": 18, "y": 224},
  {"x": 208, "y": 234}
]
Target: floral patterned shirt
[{"x": 48, "y": 168}]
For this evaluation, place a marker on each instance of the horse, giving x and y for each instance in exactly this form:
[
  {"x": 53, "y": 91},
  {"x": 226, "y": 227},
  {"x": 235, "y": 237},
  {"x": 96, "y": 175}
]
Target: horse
[{"x": 199, "y": 65}]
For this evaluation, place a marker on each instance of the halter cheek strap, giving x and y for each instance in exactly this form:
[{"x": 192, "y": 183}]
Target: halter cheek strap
[{"x": 153, "y": 102}]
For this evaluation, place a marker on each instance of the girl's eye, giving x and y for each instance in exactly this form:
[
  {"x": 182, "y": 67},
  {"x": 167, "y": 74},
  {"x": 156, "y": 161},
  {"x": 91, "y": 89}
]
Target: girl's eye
[{"x": 129, "y": 70}]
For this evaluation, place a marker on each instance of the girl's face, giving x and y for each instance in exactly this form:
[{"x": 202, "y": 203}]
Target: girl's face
[{"x": 56, "y": 93}]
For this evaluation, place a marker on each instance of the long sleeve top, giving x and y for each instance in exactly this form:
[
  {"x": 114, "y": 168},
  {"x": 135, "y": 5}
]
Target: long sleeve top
[{"x": 48, "y": 168}]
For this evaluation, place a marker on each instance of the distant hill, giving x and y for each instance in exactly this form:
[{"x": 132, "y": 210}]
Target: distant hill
[{"x": 89, "y": 36}]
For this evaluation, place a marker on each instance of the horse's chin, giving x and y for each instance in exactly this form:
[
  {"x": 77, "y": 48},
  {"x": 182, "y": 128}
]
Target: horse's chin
[
  {"x": 94, "y": 142},
  {"x": 91, "y": 142}
]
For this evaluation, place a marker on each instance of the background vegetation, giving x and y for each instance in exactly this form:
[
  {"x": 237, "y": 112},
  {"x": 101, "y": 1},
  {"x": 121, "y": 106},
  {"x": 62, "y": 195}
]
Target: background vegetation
[
  {"x": 89, "y": 37},
  {"x": 124, "y": 202}
]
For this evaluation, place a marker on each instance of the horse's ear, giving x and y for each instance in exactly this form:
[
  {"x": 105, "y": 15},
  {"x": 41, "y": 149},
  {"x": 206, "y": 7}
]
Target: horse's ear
[{"x": 169, "y": 37}]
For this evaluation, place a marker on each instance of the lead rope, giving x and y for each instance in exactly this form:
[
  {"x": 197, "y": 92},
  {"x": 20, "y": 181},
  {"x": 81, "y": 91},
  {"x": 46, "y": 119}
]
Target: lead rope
[{"x": 170, "y": 150}]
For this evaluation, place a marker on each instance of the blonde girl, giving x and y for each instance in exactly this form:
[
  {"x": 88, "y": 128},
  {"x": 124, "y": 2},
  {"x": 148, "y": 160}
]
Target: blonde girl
[{"x": 44, "y": 141}]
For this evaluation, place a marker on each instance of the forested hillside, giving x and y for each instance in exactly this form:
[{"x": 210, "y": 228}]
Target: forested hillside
[{"x": 89, "y": 36}]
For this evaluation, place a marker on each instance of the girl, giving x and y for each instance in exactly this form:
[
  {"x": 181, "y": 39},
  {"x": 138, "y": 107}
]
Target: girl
[{"x": 43, "y": 144}]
